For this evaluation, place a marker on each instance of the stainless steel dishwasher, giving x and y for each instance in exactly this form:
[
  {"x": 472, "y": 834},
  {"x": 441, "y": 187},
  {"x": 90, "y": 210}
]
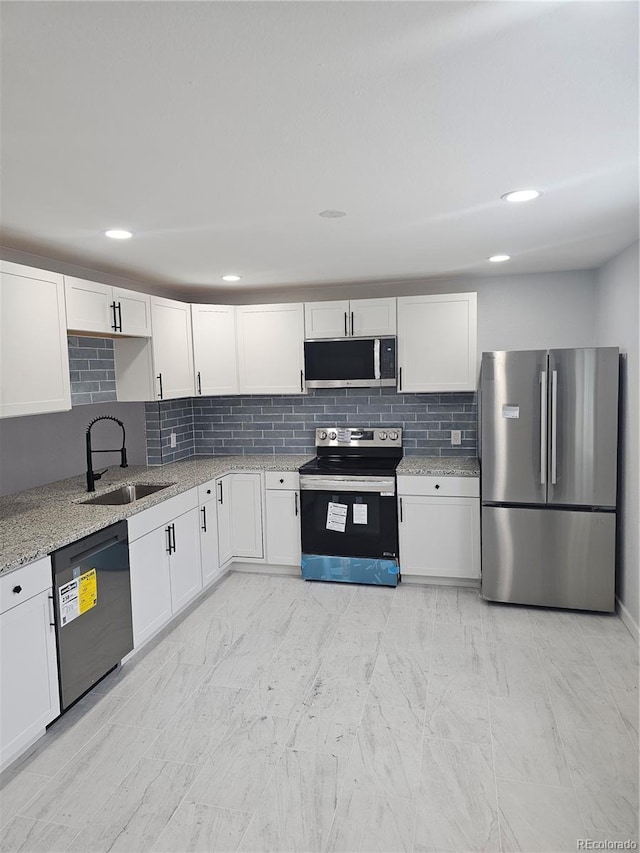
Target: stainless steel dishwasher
[{"x": 92, "y": 596}]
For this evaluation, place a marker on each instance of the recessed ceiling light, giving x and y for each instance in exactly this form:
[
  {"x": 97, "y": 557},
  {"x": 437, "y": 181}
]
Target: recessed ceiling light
[
  {"x": 118, "y": 234},
  {"x": 231, "y": 277},
  {"x": 332, "y": 214},
  {"x": 498, "y": 259},
  {"x": 521, "y": 195}
]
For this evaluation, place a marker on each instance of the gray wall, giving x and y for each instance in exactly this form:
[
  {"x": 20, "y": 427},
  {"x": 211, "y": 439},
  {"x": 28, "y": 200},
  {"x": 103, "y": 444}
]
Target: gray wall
[
  {"x": 41, "y": 448},
  {"x": 618, "y": 321}
]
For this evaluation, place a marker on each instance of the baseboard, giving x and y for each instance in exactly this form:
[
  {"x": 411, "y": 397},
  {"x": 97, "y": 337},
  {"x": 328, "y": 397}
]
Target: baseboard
[
  {"x": 264, "y": 569},
  {"x": 628, "y": 620},
  {"x": 421, "y": 580}
]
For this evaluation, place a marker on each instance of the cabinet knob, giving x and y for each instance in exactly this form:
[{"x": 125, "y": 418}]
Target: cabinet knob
[
  {"x": 437, "y": 485},
  {"x": 208, "y": 491},
  {"x": 281, "y": 480},
  {"x": 17, "y": 589}
]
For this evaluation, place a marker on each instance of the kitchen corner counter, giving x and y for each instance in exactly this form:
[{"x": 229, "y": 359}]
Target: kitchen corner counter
[
  {"x": 37, "y": 521},
  {"x": 439, "y": 466}
]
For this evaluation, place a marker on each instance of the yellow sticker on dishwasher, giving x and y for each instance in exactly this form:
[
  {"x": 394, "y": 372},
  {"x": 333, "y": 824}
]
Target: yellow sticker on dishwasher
[{"x": 87, "y": 591}]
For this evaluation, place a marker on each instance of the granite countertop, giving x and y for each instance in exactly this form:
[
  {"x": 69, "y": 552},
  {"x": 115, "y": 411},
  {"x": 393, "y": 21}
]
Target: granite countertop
[
  {"x": 40, "y": 520},
  {"x": 440, "y": 466}
]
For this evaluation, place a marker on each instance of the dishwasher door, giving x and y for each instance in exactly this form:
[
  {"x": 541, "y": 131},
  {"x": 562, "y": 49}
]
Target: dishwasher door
[{"x": 92, "y": 596}]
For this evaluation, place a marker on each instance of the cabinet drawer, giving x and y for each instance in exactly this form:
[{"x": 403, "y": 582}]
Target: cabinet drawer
[
  {"x": 207, "y": 491},
  {"x": 32, "y": 579},
  {"x": 450, "y": 487},
  {"x": 283, "y": 480},
  {"x": 154, "y": 517}
]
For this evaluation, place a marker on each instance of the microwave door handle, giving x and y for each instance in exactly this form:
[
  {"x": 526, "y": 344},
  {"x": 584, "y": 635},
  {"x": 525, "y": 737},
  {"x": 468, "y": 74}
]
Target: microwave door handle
[{"x": 376, "y": 359}]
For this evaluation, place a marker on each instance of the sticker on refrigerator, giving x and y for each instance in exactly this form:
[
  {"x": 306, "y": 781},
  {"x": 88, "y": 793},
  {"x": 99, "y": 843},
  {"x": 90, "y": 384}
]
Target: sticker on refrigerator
[
  {"x": 336, "y": 517},
  {"x": 78, "y": 596},
  {"x": 359, "y": 513},
  {"x": 511, "y": 411}
]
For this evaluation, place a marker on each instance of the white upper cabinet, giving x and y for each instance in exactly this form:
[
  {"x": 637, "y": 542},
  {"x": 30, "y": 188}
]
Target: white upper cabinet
[
  {"x": 214, "y": 349},
  {"x": 270, "y": 348},
  {"x": 105, "y": 310},
  {"x": 172, "y": 348},
  {"x": 362, "y": 318},
  {"x": 437, "y": 343},
  {"x": 34, "y": 361}
]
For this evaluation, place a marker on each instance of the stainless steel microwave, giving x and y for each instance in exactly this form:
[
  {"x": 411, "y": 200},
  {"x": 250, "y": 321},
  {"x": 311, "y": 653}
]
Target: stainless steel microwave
[{"x": 350, "y": 362}]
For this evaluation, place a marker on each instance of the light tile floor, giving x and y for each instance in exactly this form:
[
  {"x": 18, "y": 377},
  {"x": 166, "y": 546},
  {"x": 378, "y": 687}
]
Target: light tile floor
[{"x": 281, "y": 715}]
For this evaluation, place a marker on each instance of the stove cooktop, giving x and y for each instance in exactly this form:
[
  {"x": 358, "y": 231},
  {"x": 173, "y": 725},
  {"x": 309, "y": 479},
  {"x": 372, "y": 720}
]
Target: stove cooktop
[{"x": 351, "y": 465}]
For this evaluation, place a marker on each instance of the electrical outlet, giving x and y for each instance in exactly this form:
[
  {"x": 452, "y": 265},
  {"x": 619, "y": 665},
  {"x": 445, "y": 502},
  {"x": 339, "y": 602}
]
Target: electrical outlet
[
  {"x": 456, "y": 436},
  {"x": 174, "y": 440}
]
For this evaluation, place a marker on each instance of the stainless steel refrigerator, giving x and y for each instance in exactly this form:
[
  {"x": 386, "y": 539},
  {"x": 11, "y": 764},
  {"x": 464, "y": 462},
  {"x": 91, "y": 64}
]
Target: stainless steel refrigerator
[{"x": 548, "y": 449}]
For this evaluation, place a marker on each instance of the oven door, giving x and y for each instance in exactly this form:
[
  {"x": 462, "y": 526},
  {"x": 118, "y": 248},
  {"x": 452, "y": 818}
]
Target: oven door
[{"x": 349, "y": 516}]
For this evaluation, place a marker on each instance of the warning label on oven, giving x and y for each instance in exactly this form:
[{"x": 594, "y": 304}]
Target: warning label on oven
[
  {"x": 336, "y": 517},
  {"x": 359, "y": 513},
  {"x": 78, "y": 596}
]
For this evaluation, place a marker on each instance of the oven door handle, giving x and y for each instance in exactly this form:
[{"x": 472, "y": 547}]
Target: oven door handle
[{"x": 348, "y": 484}]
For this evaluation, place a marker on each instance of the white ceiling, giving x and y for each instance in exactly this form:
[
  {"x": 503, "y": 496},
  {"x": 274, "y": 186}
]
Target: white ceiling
[{"x": 217, "y": 131}]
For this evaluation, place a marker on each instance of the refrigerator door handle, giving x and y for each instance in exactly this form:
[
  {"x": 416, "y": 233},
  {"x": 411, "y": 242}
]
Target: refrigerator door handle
[
  {"x": 554, "y": 426},
  {"x": 543, "y": 427}
]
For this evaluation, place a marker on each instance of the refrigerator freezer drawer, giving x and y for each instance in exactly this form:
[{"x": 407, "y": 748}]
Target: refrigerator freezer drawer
[{"x": 554, "y": 558}]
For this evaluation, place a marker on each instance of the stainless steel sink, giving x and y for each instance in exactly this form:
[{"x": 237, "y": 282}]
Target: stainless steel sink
[{"x": 127, "y": 494}]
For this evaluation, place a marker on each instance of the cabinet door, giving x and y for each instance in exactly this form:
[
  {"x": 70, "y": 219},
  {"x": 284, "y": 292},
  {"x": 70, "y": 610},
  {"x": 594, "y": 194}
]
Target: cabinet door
[
  {"x": 150, "y": 584},
  {"x": 34, "y": 360},
  {"x": 214, "y": 349},
  {"x": 172, "y": 347},
  {"x": 184, "y": 562},
  {"x": 28, "y": 674},
  {"x": 246, "y": 515},
  {"x": 133, "y": 312},
  {"x": 372, "y": 317},
  {"x": 209, "y": 542},
  {"x": 439, "y": 537},
  {"x": 283, "y": 527},
  {"x": 271, "y": 349},
  {"x": 437, "y": 342},
  {"x": 89, "y": 306},
  {"x": 326, "y": 319},
  {"x": 223, "y": 519}
]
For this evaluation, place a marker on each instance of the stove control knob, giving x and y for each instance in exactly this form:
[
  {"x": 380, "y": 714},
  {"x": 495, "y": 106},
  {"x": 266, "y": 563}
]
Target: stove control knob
[
  {"x": 322, "y": 435},
  {"x": 393, "y": 435},
  {"x": 382, "y": 435},
  {"x": 333, "y": 436}
]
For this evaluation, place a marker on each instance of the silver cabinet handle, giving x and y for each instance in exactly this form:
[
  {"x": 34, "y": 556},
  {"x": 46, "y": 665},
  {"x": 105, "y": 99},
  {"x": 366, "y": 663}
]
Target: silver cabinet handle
[
  {"x": 543, "y": 427},
  {"x": 554, "y": 426}
]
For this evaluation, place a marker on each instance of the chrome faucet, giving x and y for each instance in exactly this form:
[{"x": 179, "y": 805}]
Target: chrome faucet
[{"x": 92, "y": 475}]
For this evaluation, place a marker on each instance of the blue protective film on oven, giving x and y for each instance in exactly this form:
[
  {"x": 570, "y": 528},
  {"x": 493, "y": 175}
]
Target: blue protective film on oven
[{"x": 319, "y": 567}]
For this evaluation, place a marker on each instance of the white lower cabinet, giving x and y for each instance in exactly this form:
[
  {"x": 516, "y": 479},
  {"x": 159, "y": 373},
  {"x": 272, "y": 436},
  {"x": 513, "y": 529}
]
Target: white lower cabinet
[
  {"x": 439, "y": 527},
  {"x": 246, "y": 515},
  {"x": 29, "y": 698},
  {"x": 283, "y": 518},
  {"x": 164, "y": 555},
  {"x": 209, "y": 542},
  {"x": 150, "y": 584}
]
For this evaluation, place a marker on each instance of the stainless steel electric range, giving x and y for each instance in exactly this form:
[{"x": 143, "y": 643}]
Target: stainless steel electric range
[{"x": 348, "y": 506}]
